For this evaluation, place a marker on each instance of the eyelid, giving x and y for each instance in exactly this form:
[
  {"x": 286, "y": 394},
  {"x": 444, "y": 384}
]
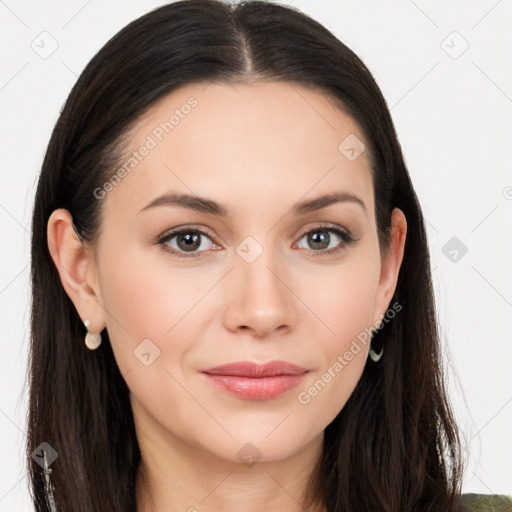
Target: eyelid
[
  {"x": 187, "y": 227},
  {"x": 327, "y": 226}
]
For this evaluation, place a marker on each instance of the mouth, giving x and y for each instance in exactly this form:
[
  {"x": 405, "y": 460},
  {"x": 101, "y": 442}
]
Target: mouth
[{"x": 254, "y": 381}]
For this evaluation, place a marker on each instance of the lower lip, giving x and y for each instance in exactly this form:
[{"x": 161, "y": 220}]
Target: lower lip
[{"x": 261, "y": 388}]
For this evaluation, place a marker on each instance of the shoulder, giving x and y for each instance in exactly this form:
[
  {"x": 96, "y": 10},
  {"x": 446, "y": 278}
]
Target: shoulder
[{"x": 485, "y": 503}]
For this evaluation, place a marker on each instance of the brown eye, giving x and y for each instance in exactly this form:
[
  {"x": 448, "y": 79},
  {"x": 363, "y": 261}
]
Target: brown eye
[
  {"x": 183, "y": 241},
  {"x": 188, "y": 241}
]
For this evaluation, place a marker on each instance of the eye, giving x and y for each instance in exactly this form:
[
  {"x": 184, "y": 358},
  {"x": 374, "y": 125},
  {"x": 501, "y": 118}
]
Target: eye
[
  {"x": 319, "y": 239},
  {"x": 188, "y": 241}
]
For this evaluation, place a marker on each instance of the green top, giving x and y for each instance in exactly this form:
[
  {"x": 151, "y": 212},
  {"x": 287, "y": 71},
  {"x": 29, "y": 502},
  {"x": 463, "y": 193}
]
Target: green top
[{"x": 486, "y": 503}]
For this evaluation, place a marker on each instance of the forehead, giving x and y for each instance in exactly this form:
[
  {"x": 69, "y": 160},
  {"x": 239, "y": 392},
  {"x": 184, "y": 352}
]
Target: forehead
[{"x": 242, "y": 144}]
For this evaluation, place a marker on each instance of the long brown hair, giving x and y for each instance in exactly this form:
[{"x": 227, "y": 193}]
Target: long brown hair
[{"x": 394, "y": 446}]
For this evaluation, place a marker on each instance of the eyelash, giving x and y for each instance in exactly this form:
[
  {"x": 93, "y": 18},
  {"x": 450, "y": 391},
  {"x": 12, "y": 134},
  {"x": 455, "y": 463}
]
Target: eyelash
[{"x": 346, "y": 237}]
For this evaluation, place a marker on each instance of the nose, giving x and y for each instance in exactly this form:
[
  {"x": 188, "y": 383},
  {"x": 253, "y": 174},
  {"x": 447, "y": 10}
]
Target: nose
[{"x": 259, "y": 297}]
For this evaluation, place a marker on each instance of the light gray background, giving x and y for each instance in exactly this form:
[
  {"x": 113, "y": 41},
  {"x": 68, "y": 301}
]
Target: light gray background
[{"x": 452, "y": 111}]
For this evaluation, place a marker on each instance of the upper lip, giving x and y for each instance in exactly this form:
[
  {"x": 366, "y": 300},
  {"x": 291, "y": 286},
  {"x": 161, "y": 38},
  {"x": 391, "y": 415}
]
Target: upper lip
[{"x": 252, "y": 369}]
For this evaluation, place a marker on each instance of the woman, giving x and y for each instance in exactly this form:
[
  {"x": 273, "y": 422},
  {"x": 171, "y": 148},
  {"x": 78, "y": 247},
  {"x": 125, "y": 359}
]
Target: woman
[{"x": 232, "y": 298}]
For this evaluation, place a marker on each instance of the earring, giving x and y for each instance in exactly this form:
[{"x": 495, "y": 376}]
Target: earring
[
  {"x": 375, "y": 357},
  {"x": 92, "y": 339}
]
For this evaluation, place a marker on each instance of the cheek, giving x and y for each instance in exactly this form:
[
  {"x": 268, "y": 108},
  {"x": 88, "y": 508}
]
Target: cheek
[
  {"x": 344, "y": 302},
  {"x": 145, "y": 301},
  {"x": 149, "y": 308},
  {"x": 343, "y": 299}
]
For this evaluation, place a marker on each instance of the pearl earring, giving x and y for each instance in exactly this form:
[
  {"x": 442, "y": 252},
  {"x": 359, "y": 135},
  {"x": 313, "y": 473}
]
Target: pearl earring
[
  {"x": 374, "y": 356},
  {"x": 92, "y": 339}
]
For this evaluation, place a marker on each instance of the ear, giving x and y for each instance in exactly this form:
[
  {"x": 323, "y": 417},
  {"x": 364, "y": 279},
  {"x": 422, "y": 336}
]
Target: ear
[
  {"x": 390, "y": 265},
  {"x": 77, "y": 269}
]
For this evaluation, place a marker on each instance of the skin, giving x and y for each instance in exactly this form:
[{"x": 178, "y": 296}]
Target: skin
[{"x": 258, "y": 150}]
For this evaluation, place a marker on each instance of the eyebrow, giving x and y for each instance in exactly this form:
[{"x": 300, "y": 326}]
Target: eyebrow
[{"x": 211, "y": 207}]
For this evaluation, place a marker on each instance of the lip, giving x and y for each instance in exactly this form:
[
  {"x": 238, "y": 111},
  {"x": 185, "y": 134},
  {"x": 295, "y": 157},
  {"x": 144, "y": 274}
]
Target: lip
[
  {"x": 252, "y": 369},
  {"x": 254, "y": 381}
]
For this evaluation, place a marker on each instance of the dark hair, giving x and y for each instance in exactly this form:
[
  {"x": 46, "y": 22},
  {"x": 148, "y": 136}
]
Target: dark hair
[{"x": 394, "y": 446}]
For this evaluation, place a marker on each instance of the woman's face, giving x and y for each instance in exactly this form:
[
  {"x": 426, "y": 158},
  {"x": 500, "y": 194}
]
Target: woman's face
[{"x": 256, "y": 287}]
